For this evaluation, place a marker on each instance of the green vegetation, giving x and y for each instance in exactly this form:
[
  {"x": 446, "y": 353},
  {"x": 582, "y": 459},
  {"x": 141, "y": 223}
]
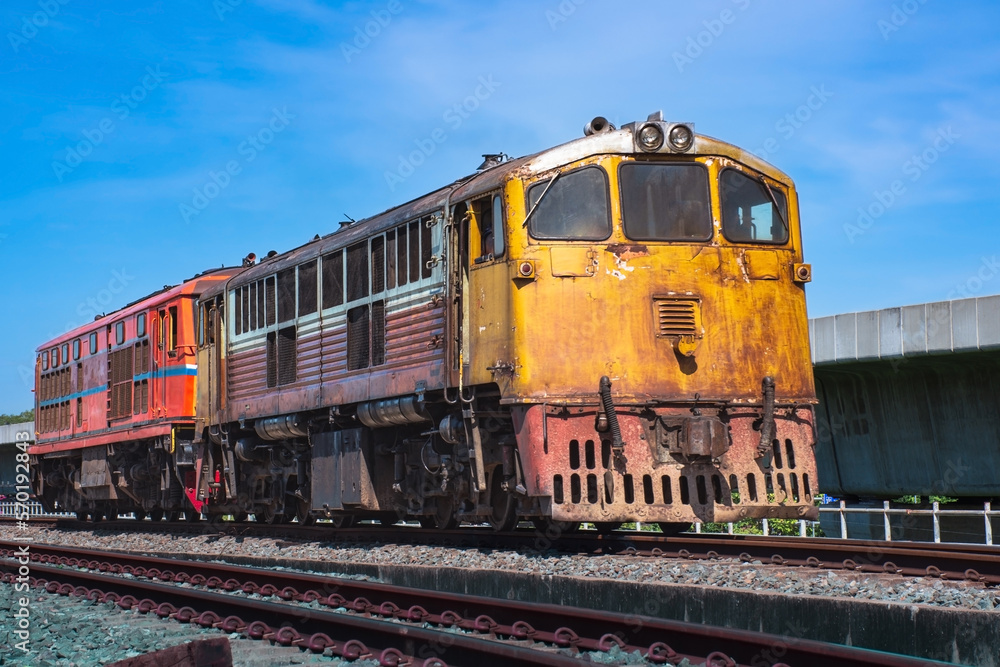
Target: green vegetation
[
  {"x": 756, "y": 526},
  {"x": 26, "y": 416},
  {"x": 917, "y": 500}
]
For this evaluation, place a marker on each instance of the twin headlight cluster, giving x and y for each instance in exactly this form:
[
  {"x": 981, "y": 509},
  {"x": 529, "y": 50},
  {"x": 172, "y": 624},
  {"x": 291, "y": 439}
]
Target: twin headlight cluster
[{"x": 653, "y": 135}]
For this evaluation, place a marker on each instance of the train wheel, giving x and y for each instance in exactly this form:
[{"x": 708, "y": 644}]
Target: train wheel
[
  {"x": 503, "y": 516},
  {"x": 342, "y": 521},
  {"x": 606, "y": 527},
  {"x": 269, "y": 515},
  {"x": 173, "y": 515},
  {"x": 554, "y": 529},
  {"x": 387, "y": 519},
  {"x": 81, "y": 515},
  {"x": 241, "y": 517},
  {"x": 302, "y": 514},
  {"x": 445, "y": 516},
  {"x": 139, "y": 514},
  {"x": 669, "y": 529},
  {"x": 96, "y": 516},
  {"x": 192, "y": 516},
  {"x": 156, "y": 515}
]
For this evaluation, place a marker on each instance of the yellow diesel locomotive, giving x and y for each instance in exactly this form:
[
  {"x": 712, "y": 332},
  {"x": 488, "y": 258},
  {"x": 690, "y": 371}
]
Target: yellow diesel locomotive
[{"x": 610, "y": 330}]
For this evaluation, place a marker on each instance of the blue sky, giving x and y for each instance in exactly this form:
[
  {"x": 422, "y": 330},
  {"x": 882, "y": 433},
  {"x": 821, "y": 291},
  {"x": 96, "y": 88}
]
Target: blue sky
[{"x": 146, "y": 142}]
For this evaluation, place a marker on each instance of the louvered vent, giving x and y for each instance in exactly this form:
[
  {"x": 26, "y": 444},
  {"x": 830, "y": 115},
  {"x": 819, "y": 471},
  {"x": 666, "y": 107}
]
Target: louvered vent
[
  {"x": 677, "y": 316},
  {"x": 286, "y": 355}
]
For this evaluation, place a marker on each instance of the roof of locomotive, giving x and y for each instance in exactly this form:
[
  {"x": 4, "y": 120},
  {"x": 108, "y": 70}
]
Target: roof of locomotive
[
  {"x": 611, "y": 142},
  {"x": 193, "y": 285}
]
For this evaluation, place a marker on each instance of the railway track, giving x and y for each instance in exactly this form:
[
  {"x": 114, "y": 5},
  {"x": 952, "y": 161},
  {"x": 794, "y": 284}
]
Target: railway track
[
  {"x": 405, "y": 626},
  {"x": 954, "y": 562}
]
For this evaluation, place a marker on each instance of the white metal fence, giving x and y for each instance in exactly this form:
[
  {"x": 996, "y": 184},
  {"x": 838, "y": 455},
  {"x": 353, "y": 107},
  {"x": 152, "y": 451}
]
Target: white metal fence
[
  {"x": 805, "y": 528},
  {"x": 935, "y": 512},
  {"x": 35, "y": 509}
]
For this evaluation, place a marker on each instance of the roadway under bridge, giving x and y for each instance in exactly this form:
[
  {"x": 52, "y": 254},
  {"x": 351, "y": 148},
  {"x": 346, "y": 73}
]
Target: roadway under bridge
[
  {"x": 8, "y": 450},
  {"x": 909, "y": 400}
]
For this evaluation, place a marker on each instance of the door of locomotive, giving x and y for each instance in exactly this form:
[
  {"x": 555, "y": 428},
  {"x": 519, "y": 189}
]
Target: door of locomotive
[
  {"x": 210, "y": 378},
  {"x": 486, "y": 291}
]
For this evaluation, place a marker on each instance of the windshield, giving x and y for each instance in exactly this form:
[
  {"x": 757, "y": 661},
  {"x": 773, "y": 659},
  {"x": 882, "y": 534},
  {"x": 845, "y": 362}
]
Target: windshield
[
  {"x": 749, "y": 213},
  {"x": 575, "y": 206},
  {"x": 665, "y": 202}
]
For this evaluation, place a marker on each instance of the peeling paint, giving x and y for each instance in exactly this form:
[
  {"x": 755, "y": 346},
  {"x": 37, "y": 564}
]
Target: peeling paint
[
  {"x": 628, "y": 250},
  {"x": 616, "y": 273}
]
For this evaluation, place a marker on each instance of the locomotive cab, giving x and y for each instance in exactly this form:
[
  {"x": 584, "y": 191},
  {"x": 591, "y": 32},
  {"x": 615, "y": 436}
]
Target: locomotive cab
[{"x": 674, "y": 275}]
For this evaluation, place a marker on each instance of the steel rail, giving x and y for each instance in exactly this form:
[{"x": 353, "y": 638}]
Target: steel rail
[
  {"x": 312, "y": 629},
  {"x": 660, "y": 640},
  {"x": 956, "y": 562}
]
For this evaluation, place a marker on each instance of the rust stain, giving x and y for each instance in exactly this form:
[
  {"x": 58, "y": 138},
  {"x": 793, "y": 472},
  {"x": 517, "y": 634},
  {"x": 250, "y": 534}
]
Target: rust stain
[{"x": 625, "y": 251}]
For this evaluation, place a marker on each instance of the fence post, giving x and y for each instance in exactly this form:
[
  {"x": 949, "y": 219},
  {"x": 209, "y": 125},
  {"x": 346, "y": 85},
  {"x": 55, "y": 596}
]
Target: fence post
[
  {"x": 937, "y": 524},
  {"x": 697, "y": 528},
  {"x": 764, "y": 526},
  {"x": 989, "y": 525},
  {"x": 730, "y": 525},
  {"x": 885, "y": 521},
  {"x": 843, "y": 520}
]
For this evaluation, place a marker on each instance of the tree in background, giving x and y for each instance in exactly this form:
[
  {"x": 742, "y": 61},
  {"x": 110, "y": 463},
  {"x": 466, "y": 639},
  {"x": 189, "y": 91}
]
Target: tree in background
[{"x": 26, "y": 416}]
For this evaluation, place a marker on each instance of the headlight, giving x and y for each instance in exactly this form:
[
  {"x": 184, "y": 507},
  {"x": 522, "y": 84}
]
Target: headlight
[
  {"x": 681, "y": 137},
  {"x": 650, "y": 137}
]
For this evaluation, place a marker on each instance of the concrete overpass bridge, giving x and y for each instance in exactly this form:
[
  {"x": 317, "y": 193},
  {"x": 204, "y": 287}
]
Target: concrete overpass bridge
[{"x": 909, "y": 400}]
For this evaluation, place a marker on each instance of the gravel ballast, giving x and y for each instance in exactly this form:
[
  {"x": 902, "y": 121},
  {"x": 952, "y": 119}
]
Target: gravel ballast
[{"x": 723, "y": 573}]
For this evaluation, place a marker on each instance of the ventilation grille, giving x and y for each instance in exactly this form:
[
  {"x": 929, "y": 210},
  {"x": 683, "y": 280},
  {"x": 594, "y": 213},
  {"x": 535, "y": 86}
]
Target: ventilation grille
[
  {"x": 120, "y": 383},
  {"x": 286, "y": 355},
  {"x": 676, "y": 316},
  {"x": 358, "y": 350}
]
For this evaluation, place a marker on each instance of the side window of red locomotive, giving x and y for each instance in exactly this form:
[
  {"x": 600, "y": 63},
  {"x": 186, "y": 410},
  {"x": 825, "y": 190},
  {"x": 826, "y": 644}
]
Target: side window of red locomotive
[
  {"x": 172, "y": 334},
  {"x": 76, "y": 349},
  {"x": 45, "y": 360},
  {"x": 119, "y": 333},
  {"x": 140, "y": 325},
  {"x": 93, "y": 343}
]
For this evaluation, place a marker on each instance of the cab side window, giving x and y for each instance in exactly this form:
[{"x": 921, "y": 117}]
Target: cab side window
[{"x": 488, "y": 212}]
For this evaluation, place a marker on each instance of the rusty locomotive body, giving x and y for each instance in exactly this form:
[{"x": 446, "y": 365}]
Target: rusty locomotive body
[{"x": 607, "y": 331}]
